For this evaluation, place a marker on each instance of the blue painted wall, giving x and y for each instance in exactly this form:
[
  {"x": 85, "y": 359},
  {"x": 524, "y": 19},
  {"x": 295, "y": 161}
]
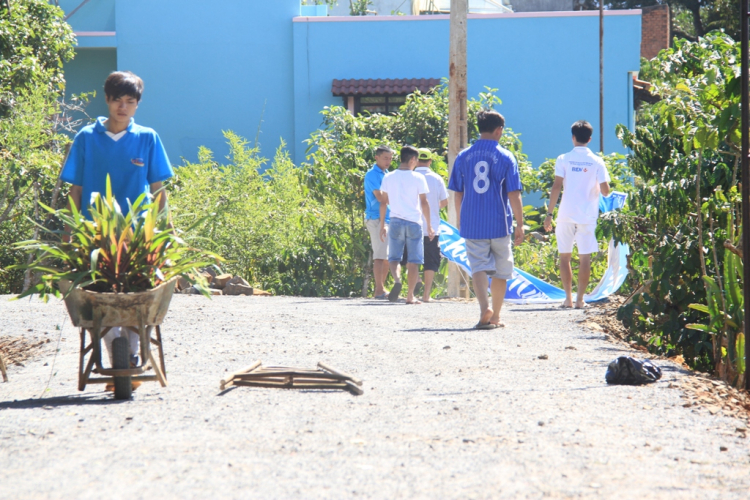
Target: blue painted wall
[
  {"x": 546, "y": 69},
  {"x": 96, "y": 15},
  {"x": 96, "y": 56},
  {"x": 86, "y": 73},
  {"x": 208, "y": 67},
  {"x": 213, "y": 66}
]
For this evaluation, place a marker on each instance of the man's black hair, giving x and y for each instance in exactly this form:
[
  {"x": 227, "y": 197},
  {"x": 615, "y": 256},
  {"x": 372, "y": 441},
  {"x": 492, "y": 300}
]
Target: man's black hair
[
  {"x": 488, "y": 121},
  {"x": 407, "y": 153},
  {"x": 383, "y": 149},
  {"x": 582, "y": 131},
  {"x": 121, "y": 83}
]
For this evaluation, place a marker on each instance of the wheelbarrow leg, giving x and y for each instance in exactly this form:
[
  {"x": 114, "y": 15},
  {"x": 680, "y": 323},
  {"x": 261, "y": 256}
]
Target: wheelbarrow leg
[
  {"x": 161, "y": 350},
  {"x": 145, "y": 335},
  {"x": 83, "y": 375},
  {"x": 81, "y": 358},
  {"x": 95, "y": 347}
]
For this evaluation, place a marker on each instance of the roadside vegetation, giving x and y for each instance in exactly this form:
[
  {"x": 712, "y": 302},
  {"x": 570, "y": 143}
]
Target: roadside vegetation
[
  {"x": 297, "y": 229},
  {"x": 34, "y": 43},
  {"x": 684, "y": 216}
]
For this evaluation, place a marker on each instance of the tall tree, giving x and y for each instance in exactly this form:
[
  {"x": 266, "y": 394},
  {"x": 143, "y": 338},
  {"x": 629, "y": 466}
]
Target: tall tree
[
  {"x": 35, "y": 41},
  {"x": 691, "y": 19}
]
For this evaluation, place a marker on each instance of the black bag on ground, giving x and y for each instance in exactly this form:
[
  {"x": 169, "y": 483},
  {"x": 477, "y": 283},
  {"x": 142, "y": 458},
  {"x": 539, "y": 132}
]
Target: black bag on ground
[{"x": 629, "y": 371}]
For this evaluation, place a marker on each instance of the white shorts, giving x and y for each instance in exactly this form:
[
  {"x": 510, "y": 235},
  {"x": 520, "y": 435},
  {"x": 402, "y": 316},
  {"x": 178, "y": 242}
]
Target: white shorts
[
  {"x": 583, "y": 235},
  {"x": 379, "y": 247}
]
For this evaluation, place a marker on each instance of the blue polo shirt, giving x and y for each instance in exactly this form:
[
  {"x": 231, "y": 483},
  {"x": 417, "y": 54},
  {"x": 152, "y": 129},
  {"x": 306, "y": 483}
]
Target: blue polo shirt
[
  {"x": 373, "y": 180},
  {"x": 133, "y": 162},
  {"x": 485, "y": 173}
]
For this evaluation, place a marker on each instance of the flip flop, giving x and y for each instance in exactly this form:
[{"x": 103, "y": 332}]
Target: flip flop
[
  {"x": 485, "y": 326},
  {"x": 584, "y": 306},
  {"x": 415, "y": 303},
  {"x": 419, "y": 288},
  {"x": 382, "y": 296},
  {"x": 395, "y": 292},
  {"x": 563, "y": 306}
]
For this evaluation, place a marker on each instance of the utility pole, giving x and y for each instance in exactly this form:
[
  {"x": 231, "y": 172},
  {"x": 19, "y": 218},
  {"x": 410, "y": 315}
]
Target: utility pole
[
  {"x": 744, "y": 18},
  {"x": 601, "y": 76},
  {"x": 457, "y": 129}
]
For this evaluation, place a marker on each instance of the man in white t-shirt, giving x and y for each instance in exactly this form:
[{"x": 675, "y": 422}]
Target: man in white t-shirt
[
  {"x": 437, "y": 199},
  {"x": 405, "y": 192},
  {"x": 581, "y": 175}
]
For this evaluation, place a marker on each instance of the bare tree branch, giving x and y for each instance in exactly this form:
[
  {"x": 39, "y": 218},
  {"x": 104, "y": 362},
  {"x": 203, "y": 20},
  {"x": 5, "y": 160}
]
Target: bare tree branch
[{"x": 5, "y": 216}]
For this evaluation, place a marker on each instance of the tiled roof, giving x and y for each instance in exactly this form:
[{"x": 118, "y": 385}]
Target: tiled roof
[{"x": 386, "y": 86}]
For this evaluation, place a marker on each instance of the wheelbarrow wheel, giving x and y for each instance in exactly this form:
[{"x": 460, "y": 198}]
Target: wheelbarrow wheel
[{"x": 121, "y": 360}]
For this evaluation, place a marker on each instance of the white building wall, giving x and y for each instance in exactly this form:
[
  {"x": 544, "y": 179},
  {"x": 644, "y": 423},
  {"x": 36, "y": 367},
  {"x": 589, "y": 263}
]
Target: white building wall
[
  {"x": 382, "y": 7},
  {"x": 386, "y": 7}
]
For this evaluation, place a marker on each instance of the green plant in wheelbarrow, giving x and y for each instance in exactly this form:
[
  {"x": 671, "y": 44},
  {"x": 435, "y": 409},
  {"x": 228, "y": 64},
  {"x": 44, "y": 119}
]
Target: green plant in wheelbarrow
[{"x": 116, "y": 272}]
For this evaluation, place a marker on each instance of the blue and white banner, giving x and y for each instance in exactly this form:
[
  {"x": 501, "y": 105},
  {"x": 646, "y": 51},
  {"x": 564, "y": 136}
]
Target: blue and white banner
[
  {"x": 452, "y": 246},
  {"x": 524, "y": 288},
  {"x": 615, "y": 201}
]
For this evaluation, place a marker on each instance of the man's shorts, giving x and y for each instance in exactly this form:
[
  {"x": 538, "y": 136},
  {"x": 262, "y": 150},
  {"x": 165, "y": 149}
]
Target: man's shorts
[
  {"x": 379, "y": 248},
  {"x": 583, "y": 235},
  {"x": 431, "y": 254},
  {"x": 494, "y": 257},
  {"x": 403, "y": 233}
]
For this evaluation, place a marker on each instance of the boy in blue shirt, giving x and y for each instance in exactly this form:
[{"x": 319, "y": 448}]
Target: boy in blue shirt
[
  {"x": 133, "y": 157},
  {"x": 487, "y": 185}
]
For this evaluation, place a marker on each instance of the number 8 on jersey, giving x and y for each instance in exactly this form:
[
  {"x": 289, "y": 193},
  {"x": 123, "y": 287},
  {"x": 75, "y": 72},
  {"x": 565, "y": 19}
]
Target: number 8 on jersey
[{"x": 481, "y": 170}]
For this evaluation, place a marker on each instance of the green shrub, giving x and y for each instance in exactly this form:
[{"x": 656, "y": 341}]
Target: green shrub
[
  {"x": 34, "y": 43},
  {"x": 684, "y": 154},
  {"x": 264, "y": 223},
  {"x": 31, "y": 152}
]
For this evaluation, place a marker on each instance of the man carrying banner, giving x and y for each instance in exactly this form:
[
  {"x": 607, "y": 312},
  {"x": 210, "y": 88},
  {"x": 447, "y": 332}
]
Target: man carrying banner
[
  {"x": 581, "y": 175},
  {"x": 487, "y": 184},
  {"x": 437, "y": 198}
]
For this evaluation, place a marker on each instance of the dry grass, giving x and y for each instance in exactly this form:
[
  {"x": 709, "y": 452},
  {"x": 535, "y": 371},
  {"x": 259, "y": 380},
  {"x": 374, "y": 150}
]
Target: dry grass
[{"x": 16, "y": 350}]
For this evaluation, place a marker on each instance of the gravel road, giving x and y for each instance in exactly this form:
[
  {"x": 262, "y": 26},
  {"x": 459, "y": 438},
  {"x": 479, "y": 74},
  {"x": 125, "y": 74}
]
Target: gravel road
[{"x": 447, "y": 412}]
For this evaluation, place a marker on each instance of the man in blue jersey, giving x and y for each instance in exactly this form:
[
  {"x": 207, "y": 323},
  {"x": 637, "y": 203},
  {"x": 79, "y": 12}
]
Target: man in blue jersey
[
  {"x": 131, "y": 155},
  {"x": 373, "y": 198},
  {"x": 581, "y": 175},
  {"x": 487, "y": 186}
]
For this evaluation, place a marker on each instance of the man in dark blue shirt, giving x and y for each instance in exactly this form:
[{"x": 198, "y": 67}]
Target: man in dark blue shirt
[{"x": 487, "y": 186}]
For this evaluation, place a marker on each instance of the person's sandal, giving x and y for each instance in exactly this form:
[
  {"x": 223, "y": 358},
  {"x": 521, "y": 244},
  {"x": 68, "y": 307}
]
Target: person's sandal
[{"x": 395, "y": 292}]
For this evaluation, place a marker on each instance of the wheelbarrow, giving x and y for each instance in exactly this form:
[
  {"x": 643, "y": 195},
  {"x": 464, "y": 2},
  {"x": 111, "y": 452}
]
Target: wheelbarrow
[{"x": 97, "y": 313}]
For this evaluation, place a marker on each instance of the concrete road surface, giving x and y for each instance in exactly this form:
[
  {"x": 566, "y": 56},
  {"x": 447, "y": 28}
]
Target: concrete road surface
[{"x": 447, "y": 411}]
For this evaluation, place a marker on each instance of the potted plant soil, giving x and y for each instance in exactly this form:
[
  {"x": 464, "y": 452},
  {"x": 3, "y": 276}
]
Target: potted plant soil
[{"x": 117, "y": 269}]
